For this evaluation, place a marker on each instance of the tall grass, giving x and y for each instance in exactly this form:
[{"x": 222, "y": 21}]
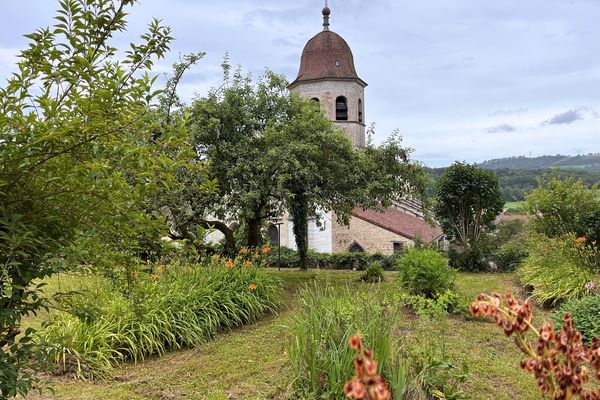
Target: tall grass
[
  {"x": 556, "y": 270},
  {"x": 185, "y": 307},
  {"x": 318, "y": 349}
]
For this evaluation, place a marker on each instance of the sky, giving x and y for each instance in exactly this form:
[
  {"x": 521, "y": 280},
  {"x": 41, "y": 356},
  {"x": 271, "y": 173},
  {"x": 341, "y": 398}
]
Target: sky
[{"x": 466, "y": 80}]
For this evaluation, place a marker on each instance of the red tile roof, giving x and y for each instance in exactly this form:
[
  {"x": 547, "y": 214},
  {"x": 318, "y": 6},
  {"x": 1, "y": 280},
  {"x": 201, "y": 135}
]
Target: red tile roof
[
  {"x": 510, "y": 217},
  {"x": 400, "y": 222}
]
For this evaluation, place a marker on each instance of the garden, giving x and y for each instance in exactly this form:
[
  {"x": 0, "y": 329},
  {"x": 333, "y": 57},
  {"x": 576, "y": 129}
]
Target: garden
[{"x": 109, "y": 287}]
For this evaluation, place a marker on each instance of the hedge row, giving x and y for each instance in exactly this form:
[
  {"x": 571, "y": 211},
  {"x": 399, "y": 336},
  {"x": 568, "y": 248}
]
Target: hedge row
[{"x": 355, "y": 261}]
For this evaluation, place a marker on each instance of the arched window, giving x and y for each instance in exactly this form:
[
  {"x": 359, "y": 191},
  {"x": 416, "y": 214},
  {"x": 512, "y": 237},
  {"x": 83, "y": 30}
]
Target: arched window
[
  {"x": 273, "y": 235},
  {"x": 315, "y": 99},
  {"x": 341, "y": 109},
  {"x": 360, "y": 111},
  {"x": 356, "y": 248}
]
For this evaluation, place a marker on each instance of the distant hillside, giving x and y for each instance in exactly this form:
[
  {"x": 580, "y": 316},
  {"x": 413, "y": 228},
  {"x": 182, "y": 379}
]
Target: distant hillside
[
  {"x": 519, "y": 175},
  {"x": 588, "y": 162}
]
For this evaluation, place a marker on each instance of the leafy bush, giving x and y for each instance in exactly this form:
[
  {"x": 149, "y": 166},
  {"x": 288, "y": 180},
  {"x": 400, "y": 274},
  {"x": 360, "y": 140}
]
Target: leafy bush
[
  {"x": 337, "y": 261},
  {"x": 173, "y": 308},
  {"x": 555, "y": 270},
  {"x": 585, "y": 313},
  {"x": 373, "y": 273},
  {"x": 510, "y": 255},
  {"x": 436, "y": 308},
  {"x": 473, "y": 259},
  {"x": 425, "y": 272}
]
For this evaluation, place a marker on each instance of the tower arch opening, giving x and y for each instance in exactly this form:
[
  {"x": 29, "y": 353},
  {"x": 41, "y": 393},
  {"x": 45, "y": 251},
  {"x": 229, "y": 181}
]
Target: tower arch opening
[
  {"x": 360, "y": 111},
  {"x": 341, "y": 109}
]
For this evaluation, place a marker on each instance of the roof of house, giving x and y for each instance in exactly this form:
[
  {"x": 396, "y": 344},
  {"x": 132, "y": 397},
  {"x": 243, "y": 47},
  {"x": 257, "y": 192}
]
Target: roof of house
[
  {"x": 399, "y": 222},
  {"x": 509, "y": 217}
]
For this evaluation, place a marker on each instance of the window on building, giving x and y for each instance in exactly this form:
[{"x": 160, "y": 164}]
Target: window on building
[
  {"x": 338, "y": 64},
  {"x": 315, "y": 99},
  {"x": 356, "y": 248},
  {"x": 360, "y": 111},
  {"x": 341, "y": 109},
  {"x": 398, "y": 247},
  {"x": 274, "y": 235}
]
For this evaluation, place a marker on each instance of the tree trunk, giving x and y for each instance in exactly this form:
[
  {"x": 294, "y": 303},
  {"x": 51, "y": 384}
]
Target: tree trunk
[
  {"x": 230, "y": 247},
  {"x": 299, "y": 214},
  {"x": 254, "y": 232}
]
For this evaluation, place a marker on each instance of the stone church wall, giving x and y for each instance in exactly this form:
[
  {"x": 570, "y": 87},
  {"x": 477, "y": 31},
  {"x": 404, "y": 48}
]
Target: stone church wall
[
  {"x": 371, "y": 238},
  {"x": 327, "y": 92}
]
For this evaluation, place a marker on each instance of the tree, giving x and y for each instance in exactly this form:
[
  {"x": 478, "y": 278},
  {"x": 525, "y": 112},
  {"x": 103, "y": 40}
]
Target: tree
[
  {"x": 467, "y": 201},
  {"x": 316, "y": 169},
  {"x": 562, "y": 206},
  {"x": 228, "y": 126},
  {"x": 79, "y": 161},
  {"x": 272, "y": 153}
]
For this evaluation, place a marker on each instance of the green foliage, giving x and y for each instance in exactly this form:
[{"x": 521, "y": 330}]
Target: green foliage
[
  {"x": 425, "y": 272},
  {"x": 585, "y": 313},
  {"x": 338, "y": 261},
  {"x": 373, "y": 273},
  {"x": 510, "y": 255},
  {"x": 319, "y": 353},
  {"x": 561, "y": 207},
  {"x": 181, "y": 306},
  {"x": 507, "y": 246},
  {"x": 78, "y": 162},
  {"x": 556, "y": 270},
  {"x": 468, "y": 199},
  {"x": 433, "y": 308},
  {"x": 474, "y": 257},
  {"x": 322, "y": 360}
]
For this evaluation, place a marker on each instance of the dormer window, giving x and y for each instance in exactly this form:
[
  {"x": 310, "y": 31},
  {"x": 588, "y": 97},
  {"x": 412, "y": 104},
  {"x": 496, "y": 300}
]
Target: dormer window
[
  {"x": 341, "y": 109},
  {"x": 338, "y": 64}
]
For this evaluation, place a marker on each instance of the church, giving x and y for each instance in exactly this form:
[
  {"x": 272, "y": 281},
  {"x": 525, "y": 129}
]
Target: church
[{"x": 327, "y": 75}]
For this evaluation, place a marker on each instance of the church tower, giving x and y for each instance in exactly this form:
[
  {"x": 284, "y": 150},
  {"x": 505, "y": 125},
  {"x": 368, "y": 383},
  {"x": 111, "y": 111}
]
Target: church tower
[{"x": 327, "y": 75}]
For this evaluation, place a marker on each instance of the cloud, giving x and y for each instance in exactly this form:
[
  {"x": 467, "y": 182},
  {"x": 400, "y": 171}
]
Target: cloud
[
  {"x": 565, "y": 118},
  {"x": 519, "y": 110},
  {"x": 501, "y": 128}
]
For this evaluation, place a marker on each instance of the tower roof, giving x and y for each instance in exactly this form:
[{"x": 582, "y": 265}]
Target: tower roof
[{"x": 326, "y": 56}]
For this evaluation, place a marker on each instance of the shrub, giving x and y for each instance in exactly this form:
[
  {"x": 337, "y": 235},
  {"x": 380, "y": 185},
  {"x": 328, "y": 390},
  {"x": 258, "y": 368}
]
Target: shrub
[
  {"x": 473, "y": 259},
  {"x": 585, "y": 313},
  {"x": 425, "y": 272},
  {"x": 510, "y": 255},
  {"x": 180, "y": 307},
  {"x": 337, "y": 261},
  {"x": 373, "y": 273},
  {"x": 555, "y": 270}
]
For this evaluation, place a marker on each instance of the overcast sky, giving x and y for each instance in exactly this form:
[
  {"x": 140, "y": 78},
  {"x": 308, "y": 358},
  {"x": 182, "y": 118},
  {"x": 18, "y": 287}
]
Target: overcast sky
[{"x": 461, "y": 79}]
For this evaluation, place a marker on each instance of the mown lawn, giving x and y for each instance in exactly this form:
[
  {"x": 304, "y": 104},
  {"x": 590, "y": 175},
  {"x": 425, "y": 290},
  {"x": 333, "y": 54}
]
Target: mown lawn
[{"x": 250, "y": 362}]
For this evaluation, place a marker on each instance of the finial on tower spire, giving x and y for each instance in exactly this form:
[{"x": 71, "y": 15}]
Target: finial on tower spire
[{"x": 326, "y": 12}]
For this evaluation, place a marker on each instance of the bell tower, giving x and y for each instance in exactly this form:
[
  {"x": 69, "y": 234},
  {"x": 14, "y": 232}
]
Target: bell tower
[{"x": 327, "y": 75}]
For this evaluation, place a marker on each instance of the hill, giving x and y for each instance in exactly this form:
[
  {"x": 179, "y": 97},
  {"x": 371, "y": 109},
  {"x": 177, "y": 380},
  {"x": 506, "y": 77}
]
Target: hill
[
  {"x": 519, "y": 175},
  {"x": 588, "y": 162}
]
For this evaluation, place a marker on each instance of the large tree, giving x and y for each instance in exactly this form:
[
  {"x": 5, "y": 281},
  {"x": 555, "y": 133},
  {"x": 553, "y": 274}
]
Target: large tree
[
  {"x": 316, "y": 168},
  {"x": 467, "y": 201},
  {"x": 79, "y": 159},
  {"x": 272, "y": 152},
  {"x": 228, "y": 127}
]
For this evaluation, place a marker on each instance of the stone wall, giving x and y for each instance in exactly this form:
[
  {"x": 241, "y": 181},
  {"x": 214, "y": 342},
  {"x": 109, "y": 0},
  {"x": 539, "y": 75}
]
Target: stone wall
[
  {"x": 327, "y": 91},
  {"x": 371, "y": 238}
]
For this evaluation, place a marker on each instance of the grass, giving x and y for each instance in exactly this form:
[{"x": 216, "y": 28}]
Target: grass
[{"x": 250, "y": 362}]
